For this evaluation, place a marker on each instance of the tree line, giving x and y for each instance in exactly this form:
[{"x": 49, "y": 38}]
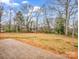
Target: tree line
[{"x": 58, "y": 17}]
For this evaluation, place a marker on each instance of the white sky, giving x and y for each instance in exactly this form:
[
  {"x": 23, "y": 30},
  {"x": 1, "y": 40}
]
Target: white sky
[
  {"x": 24, "y": 2},
  {"x": 5, "y": 1},
  {"x": 9, "y": 2},
  {"x": 36, "y": 8}
]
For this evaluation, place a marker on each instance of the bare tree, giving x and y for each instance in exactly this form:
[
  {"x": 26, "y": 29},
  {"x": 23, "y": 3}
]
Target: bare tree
[
  {"x": 19, "y": 21},
  {"x": 1, "y": 12},
  {"x": 10, "y": 20},
  {"x": 46, "y": 17},
  {"x": 67, "y": 8},
  {"x": 27, "y": 10}
]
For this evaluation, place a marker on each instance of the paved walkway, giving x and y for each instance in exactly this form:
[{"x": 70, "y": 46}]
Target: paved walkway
[{"x": 13, "y": 49}]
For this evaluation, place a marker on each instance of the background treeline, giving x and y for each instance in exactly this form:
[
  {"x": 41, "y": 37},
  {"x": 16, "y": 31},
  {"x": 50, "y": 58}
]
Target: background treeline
[{"x": 59, "y": 16}]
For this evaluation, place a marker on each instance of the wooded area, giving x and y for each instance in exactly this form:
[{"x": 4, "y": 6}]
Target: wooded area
[
  {"x": 60, "y": 17},
  {"x": 51, "y": 25}
]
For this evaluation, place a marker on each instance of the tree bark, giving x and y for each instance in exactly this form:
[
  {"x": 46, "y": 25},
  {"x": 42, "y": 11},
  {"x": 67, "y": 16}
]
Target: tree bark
[
  {"x": 0, "y": 23},
  {"x": 67, "y": 17}
]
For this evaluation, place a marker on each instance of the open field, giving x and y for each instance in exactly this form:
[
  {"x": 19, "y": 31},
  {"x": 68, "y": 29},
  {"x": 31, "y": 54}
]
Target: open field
[{"x": 58, "y": 44}]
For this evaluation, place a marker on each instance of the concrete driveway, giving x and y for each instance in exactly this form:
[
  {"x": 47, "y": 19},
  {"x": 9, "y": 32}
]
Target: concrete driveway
[{"x": 13, "y": 49}]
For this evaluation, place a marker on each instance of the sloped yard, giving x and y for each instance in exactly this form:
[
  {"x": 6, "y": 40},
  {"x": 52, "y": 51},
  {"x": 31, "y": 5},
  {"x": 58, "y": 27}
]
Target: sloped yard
[{"x": 58, "y": 44}]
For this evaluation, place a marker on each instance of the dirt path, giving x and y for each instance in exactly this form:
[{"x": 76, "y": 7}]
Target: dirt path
[{"x": 13, "y": 49}]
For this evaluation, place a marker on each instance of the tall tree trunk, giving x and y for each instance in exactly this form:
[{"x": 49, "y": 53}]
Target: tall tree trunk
[
  {"x": 0, "y": 23},
  {"x": 73, "y": 29},
  {"x": 10, "y": 20},
  {"x": 67, "y": 17},
  {"x": 37, "y": 24},
  {"x": 1, "y": 12},
  {"x": 48, "y": 25}
]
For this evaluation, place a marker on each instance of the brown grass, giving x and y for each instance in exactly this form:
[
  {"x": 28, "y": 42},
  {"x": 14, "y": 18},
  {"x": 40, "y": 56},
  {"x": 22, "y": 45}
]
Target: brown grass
[{"x": 58, "y": 44}]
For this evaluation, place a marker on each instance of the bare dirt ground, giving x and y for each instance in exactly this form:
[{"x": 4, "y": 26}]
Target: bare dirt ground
[{"x": 13, "y": 49}]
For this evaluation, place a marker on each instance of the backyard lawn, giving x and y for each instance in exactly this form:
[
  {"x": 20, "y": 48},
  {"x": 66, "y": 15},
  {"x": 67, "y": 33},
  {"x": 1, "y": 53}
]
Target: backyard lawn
[{"x": 53, "y": 43}]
